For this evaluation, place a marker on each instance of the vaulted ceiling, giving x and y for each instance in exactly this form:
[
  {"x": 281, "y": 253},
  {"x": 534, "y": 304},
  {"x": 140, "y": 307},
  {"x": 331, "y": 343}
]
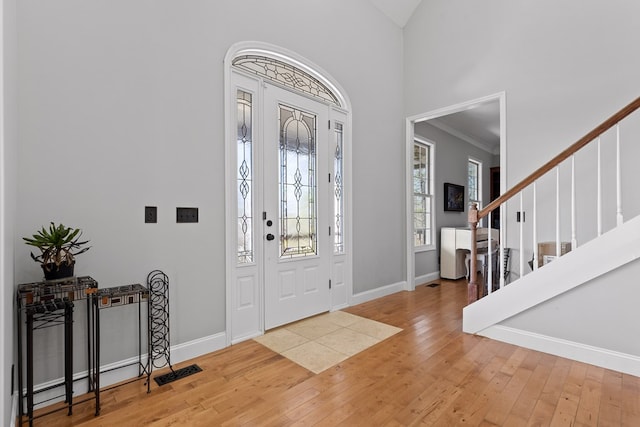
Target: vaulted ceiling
[{"x": 480, "y": 125}]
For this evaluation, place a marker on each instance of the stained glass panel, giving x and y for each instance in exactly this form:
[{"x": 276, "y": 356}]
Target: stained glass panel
[
  {"x": 287, "y": 75},
  {"x": 245, "y": 177},
  {"x": 338, "y": 190},
  {"x": 297, "y": 183}
]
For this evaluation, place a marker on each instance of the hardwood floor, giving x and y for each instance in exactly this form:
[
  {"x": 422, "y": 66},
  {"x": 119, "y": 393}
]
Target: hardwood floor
[{"x": 430, "y": 374}]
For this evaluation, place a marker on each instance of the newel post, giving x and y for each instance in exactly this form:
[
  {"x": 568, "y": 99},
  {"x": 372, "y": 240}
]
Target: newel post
[{"x": 472, "y": 288}]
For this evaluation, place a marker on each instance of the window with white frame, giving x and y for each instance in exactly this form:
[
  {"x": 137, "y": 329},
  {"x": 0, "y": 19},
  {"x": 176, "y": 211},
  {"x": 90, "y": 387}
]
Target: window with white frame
[
  {"x": 422, "y": 194},
  {"x": 475, "y": 183}
]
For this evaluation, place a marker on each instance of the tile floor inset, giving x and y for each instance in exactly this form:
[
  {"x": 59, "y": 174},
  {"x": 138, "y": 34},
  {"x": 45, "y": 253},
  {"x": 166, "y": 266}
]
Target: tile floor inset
[
  {"x": 323, "y": 341},
  {"x": 347, "y": 341},
  {"x": 315, "y": 357},
  {"x": 314, "y": 327},
  {"x": 281, "y": 340},
  {"x": 380, "y": 331}
]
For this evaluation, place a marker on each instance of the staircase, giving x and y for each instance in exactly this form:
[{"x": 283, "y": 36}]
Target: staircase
[{"x": 583, "y": 305}]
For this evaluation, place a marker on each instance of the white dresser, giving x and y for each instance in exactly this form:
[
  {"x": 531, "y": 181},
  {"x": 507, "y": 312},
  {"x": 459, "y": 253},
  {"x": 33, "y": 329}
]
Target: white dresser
[{"x": 455, "y": 243}]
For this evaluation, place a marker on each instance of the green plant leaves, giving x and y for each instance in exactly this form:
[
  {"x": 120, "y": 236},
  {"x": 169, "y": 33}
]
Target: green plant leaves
[{"x": 57, "y": 244}]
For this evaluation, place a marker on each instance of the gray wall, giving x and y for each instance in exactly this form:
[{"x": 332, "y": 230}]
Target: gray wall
[
  {"x": 589, "y": 307},
  {"x": 565, "y": 67},
  {"x": 451, "y": 156},
  {"x": 121, "y": 106},
  {"x": 8, "y": 188}
]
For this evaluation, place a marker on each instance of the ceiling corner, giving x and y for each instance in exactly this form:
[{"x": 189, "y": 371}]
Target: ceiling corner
[{"x": 399, "y": 11}]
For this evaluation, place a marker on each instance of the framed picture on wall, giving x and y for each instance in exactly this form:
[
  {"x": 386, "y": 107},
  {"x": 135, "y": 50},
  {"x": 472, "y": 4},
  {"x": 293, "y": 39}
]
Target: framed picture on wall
[{"x": 453, "y": 197}]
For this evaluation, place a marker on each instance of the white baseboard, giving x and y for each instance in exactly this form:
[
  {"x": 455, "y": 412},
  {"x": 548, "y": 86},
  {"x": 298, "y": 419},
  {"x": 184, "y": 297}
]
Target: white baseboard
[
  {"x": 621, "y": 362},
  {"x": 378, "y": 293},
  {"x": 121, "y": 371},
  {"x": 426, "y": 278},
  {"x": 339, "y": 307},
  {"x": 246, "y": 337},
  {"x": 198, "y": 347}
]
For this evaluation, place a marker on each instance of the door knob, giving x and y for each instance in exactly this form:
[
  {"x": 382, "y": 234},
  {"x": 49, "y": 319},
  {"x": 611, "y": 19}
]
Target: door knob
[{"x": 270, "y": 237}]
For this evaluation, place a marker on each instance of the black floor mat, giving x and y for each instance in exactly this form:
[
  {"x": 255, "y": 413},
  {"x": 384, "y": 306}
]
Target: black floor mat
[
  {"x": 177, "y": 374},
  {"x": 433, "y": 285}
]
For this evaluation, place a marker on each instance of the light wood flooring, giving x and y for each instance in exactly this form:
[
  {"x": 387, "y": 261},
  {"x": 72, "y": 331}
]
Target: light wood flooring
[{"x": 430, "y": 374}]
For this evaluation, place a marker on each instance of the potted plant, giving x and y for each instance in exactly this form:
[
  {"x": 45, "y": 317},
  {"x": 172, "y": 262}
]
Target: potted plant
[{"x": 58, "y": 246}]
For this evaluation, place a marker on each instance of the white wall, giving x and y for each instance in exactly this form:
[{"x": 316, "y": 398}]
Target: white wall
[
  {"x": 121, "y": 106},
  {"x": 8, "y": 185},
  {"x": 451, "y": 157},
  {"x": 565, "y": 67}
]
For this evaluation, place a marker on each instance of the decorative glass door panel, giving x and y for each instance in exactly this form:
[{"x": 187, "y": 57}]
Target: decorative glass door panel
[{"x": 297, "y": 165}]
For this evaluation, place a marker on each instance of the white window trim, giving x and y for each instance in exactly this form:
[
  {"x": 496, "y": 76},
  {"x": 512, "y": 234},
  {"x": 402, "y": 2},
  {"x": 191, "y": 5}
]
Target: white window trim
[
  {"x": 432, "y": 150},
  {"x": 480, "y": 183}
]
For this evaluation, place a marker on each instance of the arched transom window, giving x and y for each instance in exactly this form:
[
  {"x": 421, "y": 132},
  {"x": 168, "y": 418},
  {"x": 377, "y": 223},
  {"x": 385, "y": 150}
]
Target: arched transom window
[{"x": 286, "y": 75}]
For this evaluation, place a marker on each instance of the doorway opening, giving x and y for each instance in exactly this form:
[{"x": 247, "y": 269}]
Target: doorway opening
[{"x": 478, "y": 124}]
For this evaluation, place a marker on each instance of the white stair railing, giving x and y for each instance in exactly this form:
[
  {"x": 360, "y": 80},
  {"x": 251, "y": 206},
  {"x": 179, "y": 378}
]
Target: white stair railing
[{"x": 477, "y": 291}]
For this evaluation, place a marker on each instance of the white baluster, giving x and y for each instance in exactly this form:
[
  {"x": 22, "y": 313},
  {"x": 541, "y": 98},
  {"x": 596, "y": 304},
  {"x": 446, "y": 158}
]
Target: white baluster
[
  {"x": 521, "y": 239},
  {"x": 619, "y": 218},
  {"x": 489, "y": 278},
  {"x": 574, "y": 239},
  {"x": 599, "y": 197},
  {"x": 535, "y": 228},
  {"x": 558, "y": 211},
  {"x": 502, "y": 243}
]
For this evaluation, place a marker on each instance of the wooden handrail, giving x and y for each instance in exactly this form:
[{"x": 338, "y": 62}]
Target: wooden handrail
[
  {"x": 596, "y": 132},
  {"x": 474, "y": 291}
]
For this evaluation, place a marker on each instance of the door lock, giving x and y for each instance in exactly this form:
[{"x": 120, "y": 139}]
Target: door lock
[{"x": 270, "y": 237}]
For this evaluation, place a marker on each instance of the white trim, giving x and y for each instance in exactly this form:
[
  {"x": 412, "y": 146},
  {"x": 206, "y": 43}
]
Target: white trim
[
  {"x": 484, "y": 146},
  {"x": 339, "y": 307},
  {"x": 14, "y": 409},
  {"x": 480, "y": 183},
  {"x": 410, "y": 122},
  {"x": 6, "y": 254},
  {"x": 408, "y": 188},
  {"x": 378, "y": 292},
  {"x": 119, "y": 371},
  {"x": 432, "y": 164},
  {"x": 426, "y": 278},
  {"x": 424, "y": 248},
  {"x": 287, "y": 56},
  {"x": 609, "y": 359},
  {"x": 198, "y": 347}
]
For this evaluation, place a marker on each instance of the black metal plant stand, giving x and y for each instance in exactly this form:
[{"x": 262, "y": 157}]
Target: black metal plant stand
[
  {"x": 106, "y": 298},
  {"x": 47, "y": 304}
]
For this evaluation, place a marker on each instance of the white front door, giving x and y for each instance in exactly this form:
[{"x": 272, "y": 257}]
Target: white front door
[{"x": 296, "y": 206}]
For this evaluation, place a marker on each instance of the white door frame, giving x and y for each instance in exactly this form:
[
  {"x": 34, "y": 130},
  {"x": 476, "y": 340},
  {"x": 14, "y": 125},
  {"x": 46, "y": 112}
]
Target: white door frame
[
  {"x": 245, "y": 307},
  {"x": 410, "y": 122}
]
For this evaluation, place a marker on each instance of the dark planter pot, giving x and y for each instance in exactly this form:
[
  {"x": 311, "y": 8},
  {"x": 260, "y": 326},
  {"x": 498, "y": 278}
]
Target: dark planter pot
[{"x": 53, "y": 272}]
